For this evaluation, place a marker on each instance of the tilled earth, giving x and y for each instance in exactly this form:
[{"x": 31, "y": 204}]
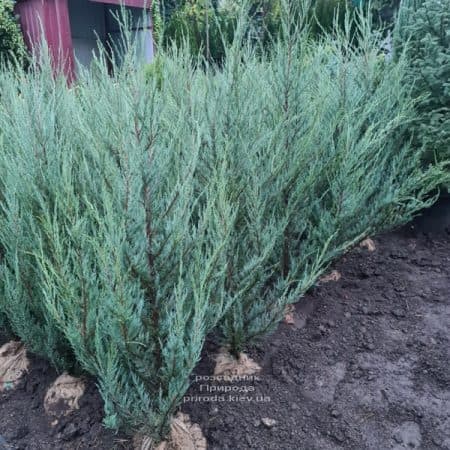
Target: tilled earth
[{"x": 365, "y": 366}]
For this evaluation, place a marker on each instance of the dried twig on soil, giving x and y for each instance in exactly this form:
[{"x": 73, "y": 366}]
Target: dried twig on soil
[
  {"x": 13, "y": 364},
  {"x": 184, "y": 435},
  {"x": 63, "y": 395},
  {"x": 289, "y": 313},
  {"x": 368, "y": 244},
  {"x": 334, "y": 275},
  {"x": 227, "y": 365}
]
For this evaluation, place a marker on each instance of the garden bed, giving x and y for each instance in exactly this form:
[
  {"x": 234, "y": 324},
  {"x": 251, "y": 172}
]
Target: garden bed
[{"x": 365, "y": 366}]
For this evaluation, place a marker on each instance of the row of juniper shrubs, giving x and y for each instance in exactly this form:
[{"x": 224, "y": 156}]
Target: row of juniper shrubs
[{"x": 141, "y": 214}]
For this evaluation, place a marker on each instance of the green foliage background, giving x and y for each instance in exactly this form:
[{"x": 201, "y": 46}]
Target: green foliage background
[
  {"x": 208, "y": 25},
  {"x": 11, "y": 40},
  {"x": 423, "y": 33}
]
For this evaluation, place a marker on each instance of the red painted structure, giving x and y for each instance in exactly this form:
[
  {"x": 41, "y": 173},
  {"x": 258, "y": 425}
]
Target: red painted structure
[{"x": 49, "y": 20}]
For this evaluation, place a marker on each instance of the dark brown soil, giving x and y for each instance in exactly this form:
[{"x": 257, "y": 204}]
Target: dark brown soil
[
  {"x": 366, "y": 366},
  {"x": 24, "y": 424}
]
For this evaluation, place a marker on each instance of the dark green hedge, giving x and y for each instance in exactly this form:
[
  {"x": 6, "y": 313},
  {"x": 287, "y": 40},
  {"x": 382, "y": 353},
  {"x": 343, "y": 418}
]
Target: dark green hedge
[
  {"x": 423, "y": 31},
  {"x": 11, "y": 39}
]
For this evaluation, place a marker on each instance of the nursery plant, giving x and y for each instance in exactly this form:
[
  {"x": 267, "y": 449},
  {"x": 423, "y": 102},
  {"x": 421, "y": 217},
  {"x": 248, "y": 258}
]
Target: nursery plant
[
  {"x": 21, "y": 304},
  {"x": 111, "y": 262},
  {"x": 335, "y": 168}
]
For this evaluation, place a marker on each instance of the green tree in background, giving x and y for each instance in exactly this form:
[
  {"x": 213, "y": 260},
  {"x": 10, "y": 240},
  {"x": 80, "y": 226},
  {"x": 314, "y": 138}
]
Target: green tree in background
[
  {"x": 204, "y": 25},
  {"x": 423, "y": 32},
  {"x": 207, "y": 24},
  {"x": 11, "y": 40}
]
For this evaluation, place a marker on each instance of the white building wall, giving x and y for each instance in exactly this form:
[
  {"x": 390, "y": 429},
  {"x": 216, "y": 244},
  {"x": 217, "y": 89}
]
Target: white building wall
[
  {"x": 141, "y": 30},
  {"x": 91, "y": 21},
  {"x": 87, "y": 21}
]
